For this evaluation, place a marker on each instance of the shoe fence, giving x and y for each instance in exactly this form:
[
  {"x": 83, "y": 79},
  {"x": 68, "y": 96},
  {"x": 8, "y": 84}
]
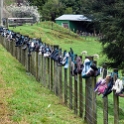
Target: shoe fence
[{"x": 76, "y": 93}]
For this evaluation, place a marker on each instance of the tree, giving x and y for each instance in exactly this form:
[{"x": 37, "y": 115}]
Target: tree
[
  {"x": 38, "y": 3},
  {"x": 76, "y": 5},
  {"x": 24, "y": 11},
  {"x": 52, "y": 9},
  {"x": 109, "y": 14}
]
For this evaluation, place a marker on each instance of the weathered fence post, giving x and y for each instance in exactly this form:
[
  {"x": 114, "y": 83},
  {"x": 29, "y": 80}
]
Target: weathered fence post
[
  {"x": 70, "y": 84},
  {"x": 26, "y": 59},
  {"x": 55, "y": 87},
  {"x": 44, "y": 72},
  {"x": 39, "y": 68},
  {"x": 116, "y": 100},
  {"x": 81, "y": 105},
  {"x": 42, "y": 68},
  {"x": 20, "y": 53},
  {"x": 60, "y": 80},
  {"x": 4, "y": 42},
  {"x": 90, "y": 99},
  {"x": 76, "y": 94},
  {"x": 1, "y": 40},
  {"x": 16, "y": 52},
  {"x": 47, "y": 70},
  {"x": 13, "y": 45},
  {"x": 94, "y": 113},
  {"x": 28, "y": 63},
  {"x": 51, "y": 71},
  {"x": 105, "y": 99},
  {"x": 31, "y": 62},
  {"x": 65, "y": 86},
  {"x": 7, "y": 44},
  {"x": 23, "y": 57}
]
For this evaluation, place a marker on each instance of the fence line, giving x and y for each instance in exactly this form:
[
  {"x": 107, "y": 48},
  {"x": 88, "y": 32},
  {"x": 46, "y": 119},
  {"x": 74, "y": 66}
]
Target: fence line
[{"x": 76, "y": 94}]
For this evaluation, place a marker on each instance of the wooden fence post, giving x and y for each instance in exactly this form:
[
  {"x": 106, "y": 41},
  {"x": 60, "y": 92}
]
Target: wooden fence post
[
  {"x": 28, "y": 63},
  {"x": 81, "y": 99},
  {"x": 1, "y": 40},
  {"x": 55, "y": 87},
  {"x": 60, "y": 83},
  {"x": 48, "y": 71},
  {"x": 116, "y": 101},
  {"x": 23, "y": 57},
  {"x": 7, "y": 44},
  {"x": 60, "y": 80},
  {"x": 37, "y": 65},
  {"x": 31, "y": 63},
  {"x": 26, "y": 59},
  {"x": 105, "y": 99},
  {"x": 51, "y": 74},
  {"x": 13, "y": 45},
  {"x": 39, "y": 68},
  {"x": 20, "y": 53},
  {"x": 90, "y": 99},
  {"x": 94, "y": 112},
  {"x": 76, "y": 94},
  {"x": 70, "y": 85},
  {"x": 50, "y": 66},
  {"x": 65, "y": 86},
  {"x": 4, "y": 43}
]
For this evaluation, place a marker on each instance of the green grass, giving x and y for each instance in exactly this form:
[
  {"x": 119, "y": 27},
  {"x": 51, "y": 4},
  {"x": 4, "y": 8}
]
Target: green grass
[
  {"x": 29, "y": 101},
  {"x": 54, "y": 34}
]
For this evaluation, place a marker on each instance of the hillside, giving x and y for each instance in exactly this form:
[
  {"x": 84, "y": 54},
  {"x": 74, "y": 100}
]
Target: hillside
[
  {"x": 53, "y": 34},
  {"x": 25, "y": 101}
]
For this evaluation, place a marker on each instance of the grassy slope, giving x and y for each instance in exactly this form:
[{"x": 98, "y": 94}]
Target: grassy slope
[
  {"x": 54, "y": 34},
  {"x": 57, "y": 35},
  {"x": 27, "y": 100}
]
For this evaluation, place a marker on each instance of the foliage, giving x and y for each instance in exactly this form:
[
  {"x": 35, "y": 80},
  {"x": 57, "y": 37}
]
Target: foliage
[
  {"x": 52, "y": 9},
  {"x": 76, "y": 5},
  {"x": 38, "y": 3},
  {"x": 109, "y": 14},
  {"x": 24, "y": 11}
]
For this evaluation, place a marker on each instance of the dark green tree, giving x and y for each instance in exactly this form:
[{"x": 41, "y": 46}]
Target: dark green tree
[
  {"x": 76, "y": 5},
  {"x": 38, "y": 3},
  {"x": 110, "y": 17},
  {"x": 52, "y": 9}
]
